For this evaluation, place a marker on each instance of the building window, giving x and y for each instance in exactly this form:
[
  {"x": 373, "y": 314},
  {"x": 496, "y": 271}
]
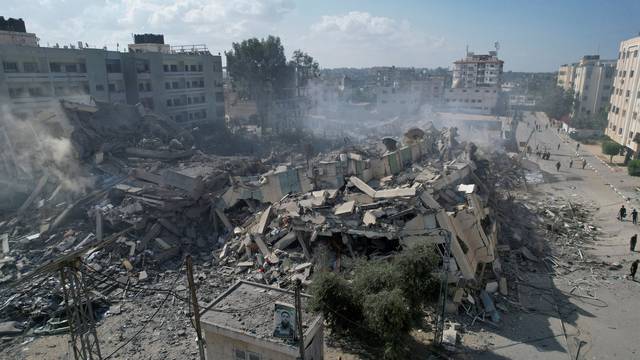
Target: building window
[
  {"x": 193, "y": 68},
  {"x": 167, "y": 85},
  {"x": 99, "y": 87},
  {"x": 169, "y": 102},
  {"x": 142, "y": 66},
  {"x": 113, "y": 66},
  {"x": 175, "y": 85},
  {"x": 200, "y": 67},
  {"x": 16, "y": 92},
  {"x": 10, "y": 66},
  {"x": 30, "y": 67},
  {"x": 112, "y": 87},
  {"x": 165, "y": 68},
  {"x": 174, "y": 68},
  {"x": 628, "y": 93},
  {"x": 36, "y": 92},
  {"x": 631, "y": 73}
]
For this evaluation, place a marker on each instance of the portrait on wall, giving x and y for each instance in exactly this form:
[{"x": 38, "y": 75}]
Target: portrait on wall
[{"x": 284, "y": 318}]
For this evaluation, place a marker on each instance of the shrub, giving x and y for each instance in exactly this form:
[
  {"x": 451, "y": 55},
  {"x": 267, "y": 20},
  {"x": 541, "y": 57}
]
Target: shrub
[
  {"x": 387, "y": 314},
  {"x": 332, "y": 295},
  {"x": 634, "y": 167},
  {"x": 415, "y": 266},
  {"x": 610, "y": 148},
  {"x": 372, "y": 277}
]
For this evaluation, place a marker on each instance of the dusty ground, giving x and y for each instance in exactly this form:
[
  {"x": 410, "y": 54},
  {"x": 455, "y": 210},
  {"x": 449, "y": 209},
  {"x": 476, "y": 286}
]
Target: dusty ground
[{"x": 590, "y": 312}]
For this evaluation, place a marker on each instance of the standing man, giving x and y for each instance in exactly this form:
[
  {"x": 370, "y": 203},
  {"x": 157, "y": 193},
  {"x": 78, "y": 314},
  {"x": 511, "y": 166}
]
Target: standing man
[
  {"x": 584, "y": 163},
  {"x": 571, "y": 163},
  {"x": 577, "y": 146},
  {"x": 634, "y": 268},
  {"x": 622, "y": 213},
  {"x": 634, "y": 216},
  {"x": 558, "y": 146},
  {"x": 633, "y": 242},
  {"x": 558, "y": 166}
]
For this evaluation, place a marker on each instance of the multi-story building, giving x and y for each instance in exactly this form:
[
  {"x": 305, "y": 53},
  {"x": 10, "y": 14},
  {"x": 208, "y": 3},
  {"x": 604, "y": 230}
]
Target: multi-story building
[
  {"x": 184, "y": 83},
  {"x": 566, "y": 76},
  {"x": 477, "y": 71},
  {"x": 592, "y": 85},
  {"x": 624, "y": 125},
  {"x": 476, "y": 84}
]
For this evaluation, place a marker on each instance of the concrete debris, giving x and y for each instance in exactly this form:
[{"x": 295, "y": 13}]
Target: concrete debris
[{"x": 272, "y": 223}]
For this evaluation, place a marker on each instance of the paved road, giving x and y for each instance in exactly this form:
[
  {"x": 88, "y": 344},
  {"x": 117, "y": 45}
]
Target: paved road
[{"x": 609, "y": 327}]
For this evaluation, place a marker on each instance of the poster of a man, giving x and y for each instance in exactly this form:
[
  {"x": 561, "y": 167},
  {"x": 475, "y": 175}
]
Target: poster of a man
[{"x": 284, "y": 321}]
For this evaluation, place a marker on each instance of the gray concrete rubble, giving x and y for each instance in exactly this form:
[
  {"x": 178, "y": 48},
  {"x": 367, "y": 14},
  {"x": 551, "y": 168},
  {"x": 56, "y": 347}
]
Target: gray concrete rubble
[{"x": 241, "y": 219}]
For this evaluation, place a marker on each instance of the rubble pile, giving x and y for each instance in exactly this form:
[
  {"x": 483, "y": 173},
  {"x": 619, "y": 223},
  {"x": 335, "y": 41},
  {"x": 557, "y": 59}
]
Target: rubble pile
[{"x": 155, "y": 199}]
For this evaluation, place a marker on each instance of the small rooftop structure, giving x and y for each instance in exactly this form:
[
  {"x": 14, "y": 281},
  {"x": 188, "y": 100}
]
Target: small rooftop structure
[{"x": 240, "y": 324}]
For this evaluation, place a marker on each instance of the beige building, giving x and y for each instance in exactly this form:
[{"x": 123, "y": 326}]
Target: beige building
[
  {"x": 592, "y": 84},
  {"x": 476, "y": 84},
  {"x": 623, "y": 124},
  {"x": 182, "y": 82},
  {"x": 244, "y": 323},
  {"x": 566, "y": 76}
]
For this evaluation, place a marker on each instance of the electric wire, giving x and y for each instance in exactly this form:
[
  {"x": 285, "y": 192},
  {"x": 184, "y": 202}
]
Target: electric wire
[{"x": 160, "y": 307}]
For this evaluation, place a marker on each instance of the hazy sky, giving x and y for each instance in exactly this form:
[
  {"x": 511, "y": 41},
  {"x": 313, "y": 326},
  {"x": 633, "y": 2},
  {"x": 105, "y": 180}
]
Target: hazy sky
[{"x": 534, "y": 35}]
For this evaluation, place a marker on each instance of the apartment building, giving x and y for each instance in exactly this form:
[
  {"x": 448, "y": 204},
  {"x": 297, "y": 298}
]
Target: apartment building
[
  {"x": 184, "y": 83},
  {"x": 592, "y": 85},
  {"x": 566, "y": 76},
  {"x": 624, "y": 126},
  {"x": 475, "y": 87}
]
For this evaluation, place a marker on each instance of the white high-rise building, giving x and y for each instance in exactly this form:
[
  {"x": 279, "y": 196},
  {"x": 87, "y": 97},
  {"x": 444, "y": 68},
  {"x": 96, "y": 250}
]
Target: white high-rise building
[
  {"x": 624, "y": 125},
  {"x": 476, "y": 84},
  {"x": 592, "y": 84}
]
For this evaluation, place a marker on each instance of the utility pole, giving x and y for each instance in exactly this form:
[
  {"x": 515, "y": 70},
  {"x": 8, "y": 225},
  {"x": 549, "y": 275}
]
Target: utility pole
[
  {"x": 196, "y": 308},
  {"x": 299, "y": 318}
]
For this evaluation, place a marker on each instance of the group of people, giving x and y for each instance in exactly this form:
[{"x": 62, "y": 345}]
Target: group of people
[{"x": 622, "y": 214}]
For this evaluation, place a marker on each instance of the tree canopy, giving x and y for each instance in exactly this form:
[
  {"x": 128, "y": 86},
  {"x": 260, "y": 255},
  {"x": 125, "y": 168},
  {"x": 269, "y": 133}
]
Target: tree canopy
[{"x": 258, "y": 66}]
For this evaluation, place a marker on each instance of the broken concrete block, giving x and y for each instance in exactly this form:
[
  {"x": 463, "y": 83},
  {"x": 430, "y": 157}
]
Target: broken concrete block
[
  {"x": 127, "y": 265},
  {"x": 142, "y": 276},
  {"x": 263, "y": 221},
  {"x": 245, "y": 264},
  {"x": 285, "y": 241},
  {"x": 345, "y": 208},
  {"x": 10, "y": 328},
  {"x": 491, "y": 287},
  {"x": 4, "y": 239},
  {"x": 504, "y": 290}
]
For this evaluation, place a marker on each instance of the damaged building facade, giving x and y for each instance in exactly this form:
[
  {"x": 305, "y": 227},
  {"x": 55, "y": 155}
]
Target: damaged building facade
[
  {"x": 182, "y": 82},
  {"x": 352, "y": 204}
]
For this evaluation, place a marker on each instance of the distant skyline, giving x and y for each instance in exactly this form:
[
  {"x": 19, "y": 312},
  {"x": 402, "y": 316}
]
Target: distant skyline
[{"x": 533, "y": 35}]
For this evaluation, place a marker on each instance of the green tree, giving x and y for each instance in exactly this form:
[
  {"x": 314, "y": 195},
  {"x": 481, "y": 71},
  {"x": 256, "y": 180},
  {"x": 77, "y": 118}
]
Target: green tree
[
  {"x": 416, "y": 266},
  {"x": 258, "y": 70},
  {"x": 387, "y": 314},
  {"x": 611, "y": 148},
  {"x": 306, "y": 68},
  {"x": 633, "y": 168},
  {"x": 335, "y": 298}
]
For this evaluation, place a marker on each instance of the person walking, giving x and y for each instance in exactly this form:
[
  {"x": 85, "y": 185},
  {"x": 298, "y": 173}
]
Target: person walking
[
  {"x": 558, "y": 166},
  {"x": 634, "y": 216},
  {"x": 633, "y": 242},
  {"x": 571, "y": 163},
  {"x": 558, "y": 146},
  {"x": 584, "y": 163},
  {"x": 634, "y": 269},
  {"x": 622, "y": 213},
  {"x": 577, "y": 146}
]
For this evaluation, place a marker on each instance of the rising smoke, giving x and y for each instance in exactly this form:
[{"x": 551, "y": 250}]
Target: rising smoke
[{"x": 39, "y": 144}]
